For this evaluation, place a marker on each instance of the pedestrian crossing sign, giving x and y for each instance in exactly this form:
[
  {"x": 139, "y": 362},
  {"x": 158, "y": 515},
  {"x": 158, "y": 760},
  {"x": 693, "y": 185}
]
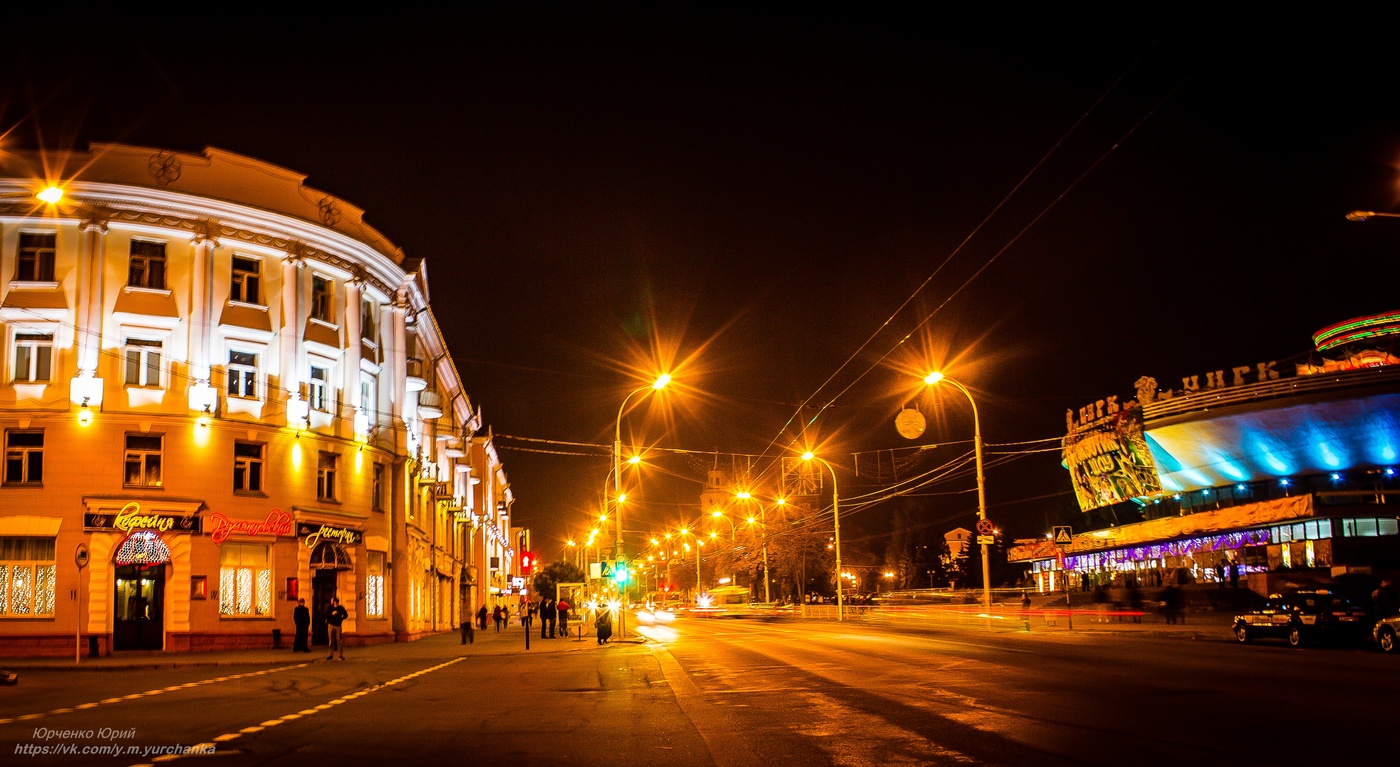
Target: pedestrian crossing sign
[
  {"x": 1064, "y": 535},
  {"x": 607, "y": 570}
]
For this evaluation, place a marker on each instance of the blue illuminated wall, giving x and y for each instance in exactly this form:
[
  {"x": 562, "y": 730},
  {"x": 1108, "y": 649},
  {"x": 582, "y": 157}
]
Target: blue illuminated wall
[{"x": 1242, "y": 445}]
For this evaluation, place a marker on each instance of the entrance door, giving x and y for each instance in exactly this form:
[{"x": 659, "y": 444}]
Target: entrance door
[
  {"x": 323, "y": 585},
  {"x": 139, "y": 608}
]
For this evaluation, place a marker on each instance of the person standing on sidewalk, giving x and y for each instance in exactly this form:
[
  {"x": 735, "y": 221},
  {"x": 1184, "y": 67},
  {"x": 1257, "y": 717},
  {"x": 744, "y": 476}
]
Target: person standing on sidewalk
[
  {"x": 334, "y": 618},
  {"x": 301, "y": 618},
  {"x": 548, "y": 614},
  {"x": 468, "y": 631},
  {"x": 481, "y": 618},
  {"x": 1026, "y": 610},
  {"x": 496, "y": 616},
  {"x": 563, "y": 608}
]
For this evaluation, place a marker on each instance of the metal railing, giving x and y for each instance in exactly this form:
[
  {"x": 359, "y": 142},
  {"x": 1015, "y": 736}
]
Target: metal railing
[{"x": 1284, "y": 387}]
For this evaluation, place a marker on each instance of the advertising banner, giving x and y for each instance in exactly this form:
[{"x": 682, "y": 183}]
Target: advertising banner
[{"x": 1109, "y": 461}]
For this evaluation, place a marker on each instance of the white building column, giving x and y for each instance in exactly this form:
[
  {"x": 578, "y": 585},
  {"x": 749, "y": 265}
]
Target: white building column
[
  {"x": 89, "y": 312},
  {"x": 351, "y": 360},
  {"x": 293, "y": 327},
  {"x": 201, "y": 392}
]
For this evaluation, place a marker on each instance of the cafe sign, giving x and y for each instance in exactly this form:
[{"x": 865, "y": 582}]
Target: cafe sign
[
  {"x": 130, "y": 518},
  {"x": 315, "y": 534},
  {"x": 277, "y": 523}
]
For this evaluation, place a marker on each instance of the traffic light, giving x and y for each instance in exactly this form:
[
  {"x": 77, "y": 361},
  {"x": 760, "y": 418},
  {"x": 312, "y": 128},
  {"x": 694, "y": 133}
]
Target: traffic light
[
  {"x": 620, "y": 575},
  {"x": 527, "y": 561}
]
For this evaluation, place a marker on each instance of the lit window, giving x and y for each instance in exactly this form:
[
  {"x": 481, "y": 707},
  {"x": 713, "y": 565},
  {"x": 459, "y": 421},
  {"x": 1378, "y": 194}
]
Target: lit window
[
  {"x": 142, "y": 460},
  {"x": 316, "y": 389},
  {"x": 247, "y": 467},
  {"x": 242, "y": 375},
  {"x": 244, "y": 283},
  {"x": 369, "y": 396},
  {"x": 147, "y": 266},
  {"x": 33, "y": 358},
  {"x": 326, "y": 468},
  {"x": 374, "y": 585},
  {"x": 27, "y": 576},
  {"x": 321, "y": 290},
  {"x": 245, "y": 580},
  {"x": 24, "y": 457},
  {"x": 143, "y": 362},
  {"x": 36, "y": 255}
]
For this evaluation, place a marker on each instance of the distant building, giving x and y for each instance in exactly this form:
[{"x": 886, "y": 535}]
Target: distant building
[
  {"x": 222, "y": 390},
  {"x": 1263, "y": 474}
]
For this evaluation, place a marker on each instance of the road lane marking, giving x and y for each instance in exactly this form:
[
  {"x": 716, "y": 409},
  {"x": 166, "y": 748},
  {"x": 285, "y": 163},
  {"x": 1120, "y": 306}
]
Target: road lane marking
[
  {"x": 309, "y": 711},
  {"x": 149, "y": 693}
]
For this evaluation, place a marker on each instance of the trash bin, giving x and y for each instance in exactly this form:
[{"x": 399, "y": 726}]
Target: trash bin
[{"x": 277, "y": 639}]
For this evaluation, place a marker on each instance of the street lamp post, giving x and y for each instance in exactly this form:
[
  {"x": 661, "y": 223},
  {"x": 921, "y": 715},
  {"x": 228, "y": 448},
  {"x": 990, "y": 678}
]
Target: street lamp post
[
  {"x": 657, "y": 385},
  {"x": 763, "y": 528},
  {"x": 933, "y": 379},
  {"x": 836, "y": 515}
]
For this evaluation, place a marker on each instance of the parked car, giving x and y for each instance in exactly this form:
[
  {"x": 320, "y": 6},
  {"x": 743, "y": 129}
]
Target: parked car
[
  {"x": 1302, "y": 616},
  {"x": 1384, "y": 633}
]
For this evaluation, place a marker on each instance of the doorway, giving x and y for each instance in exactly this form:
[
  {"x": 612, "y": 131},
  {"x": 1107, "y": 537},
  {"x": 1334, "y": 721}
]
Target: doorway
[
  {"x": 139, "y": 608},
  {"x": 323, "y": 585}
]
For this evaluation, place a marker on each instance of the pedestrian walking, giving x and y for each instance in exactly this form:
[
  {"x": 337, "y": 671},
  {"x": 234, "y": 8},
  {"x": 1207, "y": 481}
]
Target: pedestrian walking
[
  {"x": 468, "y": 631},
  {"x": 301, "y": 618},
  {"x": 496, "y": 616},
  {"x": 481, "y": 617},
  {"x": 1026, "y": 610},
  {"x": 1135, "y": 602},
  {"x": 604, "y": 625},
  {"x": 334, "y": 618},
  {"x": 563, "y": 608}
]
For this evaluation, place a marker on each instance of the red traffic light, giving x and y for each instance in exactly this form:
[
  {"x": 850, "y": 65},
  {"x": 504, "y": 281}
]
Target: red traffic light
[{"x": 527, "y": 561}]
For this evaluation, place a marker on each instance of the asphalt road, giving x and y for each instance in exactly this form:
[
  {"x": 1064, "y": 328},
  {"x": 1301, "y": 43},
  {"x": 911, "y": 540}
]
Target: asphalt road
[{"x": 730, "y": 692}]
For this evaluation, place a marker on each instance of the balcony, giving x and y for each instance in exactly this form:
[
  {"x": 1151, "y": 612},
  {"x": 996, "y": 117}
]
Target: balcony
[
  {"x": 415, "y": 380},
  {"x": 429, "y": 404}
]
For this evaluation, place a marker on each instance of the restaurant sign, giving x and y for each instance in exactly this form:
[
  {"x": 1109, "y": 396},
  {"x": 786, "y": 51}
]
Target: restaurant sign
[
  {"x": 130, "y": 517},
  {"x": 277, "y": 523},
  {"x": 315, "y": 534}
]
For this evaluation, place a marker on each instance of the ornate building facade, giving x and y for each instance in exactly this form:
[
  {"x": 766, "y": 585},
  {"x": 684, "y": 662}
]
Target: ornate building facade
[{"x": 223, "y": 391}]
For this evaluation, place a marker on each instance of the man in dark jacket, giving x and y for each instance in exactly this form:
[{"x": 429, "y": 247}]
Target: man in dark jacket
[
  {"x": 301, "y": 618},
  {"x": 334, "y": 618},
  {"x": 547, "y": 616}
]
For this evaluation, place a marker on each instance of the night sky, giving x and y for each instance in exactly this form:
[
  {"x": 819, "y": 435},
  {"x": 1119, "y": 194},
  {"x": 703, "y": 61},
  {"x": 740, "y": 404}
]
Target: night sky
[{"x": 754, "y": 203}]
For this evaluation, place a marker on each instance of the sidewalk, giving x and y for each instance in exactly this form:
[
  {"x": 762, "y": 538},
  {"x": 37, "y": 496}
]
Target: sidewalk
[{"x": 489, "y": 642}]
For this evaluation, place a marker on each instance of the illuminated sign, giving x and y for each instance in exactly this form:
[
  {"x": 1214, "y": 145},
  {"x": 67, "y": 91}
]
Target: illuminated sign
[
  {"x": 314, "y": 534},
  {"x": 278, "y": 522},
  {"x": 130, "y": 518},
  {"x": 1111, "y": 463}
]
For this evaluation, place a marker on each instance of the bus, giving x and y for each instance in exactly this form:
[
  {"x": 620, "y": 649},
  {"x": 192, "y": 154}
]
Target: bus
[{"x": 725, "y": 602}]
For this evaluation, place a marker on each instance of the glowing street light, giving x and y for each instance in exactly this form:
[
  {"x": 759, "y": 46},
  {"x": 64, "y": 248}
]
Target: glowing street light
[
  {"x": 933, "y": 379},
  {"x": 836, "y": 516},
  {"x": 657, "y": 385}
]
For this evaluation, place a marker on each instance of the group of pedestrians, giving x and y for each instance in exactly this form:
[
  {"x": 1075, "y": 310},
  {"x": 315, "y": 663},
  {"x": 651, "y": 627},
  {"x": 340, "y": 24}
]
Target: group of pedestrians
[{"x": 554, "y": 615}]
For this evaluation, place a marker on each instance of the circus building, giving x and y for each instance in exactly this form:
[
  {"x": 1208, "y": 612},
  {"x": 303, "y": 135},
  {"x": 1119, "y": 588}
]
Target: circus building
[
  {"x": 224, "y": 391},
  {"x": 1266, "y": 474}
]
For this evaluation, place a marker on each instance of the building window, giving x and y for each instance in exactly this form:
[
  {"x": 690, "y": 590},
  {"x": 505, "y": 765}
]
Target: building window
[
  {"x": 248, "y": 467},
  {"x": 245, "y": 281},
  {"x": 369, "y": 397},
  {"x": 245, "y": 581},
  {"x": 24, "y": 457},
  {"x": 325, "y": 476},
  {"x": 243, "y": 375},
  {"x": 27, "y": 576},
  {"x": 369, "y": 328},
  {"x": 33, "y": 358},
  {"x": 321, "y": 289},
  {"x": 316, "y": 388},
  {"x": 36, "y": 254},
  {"x": 377, "y": 492},
  {"x": 147, "y": 268},
  {"x": 143, "y": 362},
  {"x": 142, "y": 460},
  {"x": 374, "y": 585}
]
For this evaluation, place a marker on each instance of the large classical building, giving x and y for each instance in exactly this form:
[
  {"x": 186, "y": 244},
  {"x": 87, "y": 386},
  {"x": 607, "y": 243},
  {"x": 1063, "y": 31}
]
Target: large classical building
[{"x": 223, "y": 391}]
